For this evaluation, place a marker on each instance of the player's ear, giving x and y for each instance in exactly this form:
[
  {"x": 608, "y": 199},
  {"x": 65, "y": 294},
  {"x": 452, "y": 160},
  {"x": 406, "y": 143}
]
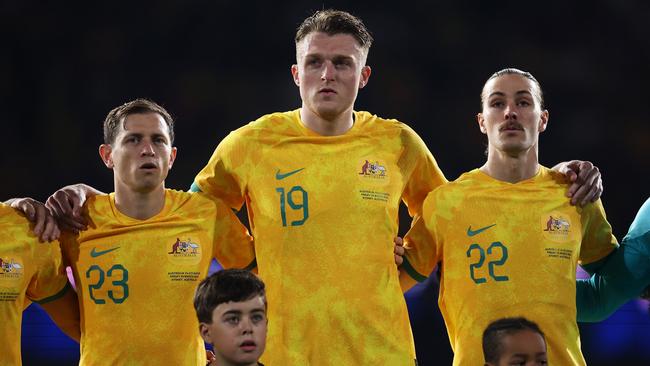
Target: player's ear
[
  {"x": 365, "y": 75},
  {"x": 105, "y": 151},
  {"x": 481, "y": 122},
  {"x": 204, "y": 330},
  {"x": 543, "y": 120},
  {"x": 294, "y": 73},
  {"x": 172, "y": 156}
]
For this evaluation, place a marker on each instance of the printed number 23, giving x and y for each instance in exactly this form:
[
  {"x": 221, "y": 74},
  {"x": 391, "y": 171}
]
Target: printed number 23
[
  {"x": 302, "y": 204},
  {"x": 491, "y": 265},
  {"x": 115, "y": 295}
]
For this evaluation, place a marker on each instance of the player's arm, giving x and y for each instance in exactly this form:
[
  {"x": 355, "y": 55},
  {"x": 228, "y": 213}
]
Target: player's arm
[
  {"x": 64, "y": 311},
  {"x": 45, "y": 226},
  {"x": 420, "y": 255},
  {"x": 621, "y": 277},
  {"x": 586, "y": 183},
  {"x": 233, "y": 245},
  {"x": 66, "y": 205}
]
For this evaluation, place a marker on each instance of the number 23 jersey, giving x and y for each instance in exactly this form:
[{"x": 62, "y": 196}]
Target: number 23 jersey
[{"x": 136, "y": 278}]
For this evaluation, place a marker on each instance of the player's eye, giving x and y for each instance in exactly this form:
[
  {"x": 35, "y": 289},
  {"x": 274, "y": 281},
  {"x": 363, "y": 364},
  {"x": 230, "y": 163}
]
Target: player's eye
[
  {"x": 257, "y": 318},
  {"x": 497, "y": 104},
  {"x": 233, "y": 320},
  {"x": 524, "y": 103}
]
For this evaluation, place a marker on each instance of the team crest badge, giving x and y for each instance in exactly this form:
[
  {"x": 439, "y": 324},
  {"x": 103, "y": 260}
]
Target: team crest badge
[
  {"x": 184, "y": 251},
  {"x": 373, "y": 170},
  {"x": 10, "y": 268},
  {"x": 557, "y": 227}
]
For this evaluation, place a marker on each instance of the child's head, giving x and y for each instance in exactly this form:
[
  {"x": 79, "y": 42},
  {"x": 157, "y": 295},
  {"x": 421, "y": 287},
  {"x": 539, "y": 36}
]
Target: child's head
[
  {"x": 231, "y": 307},
  {"x": 514, "y": 341}
]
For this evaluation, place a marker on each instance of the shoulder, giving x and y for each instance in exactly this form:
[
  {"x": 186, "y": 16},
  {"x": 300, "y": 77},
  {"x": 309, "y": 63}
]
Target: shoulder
[
  {"x": 267, "y": 122},
  {"x": 390, "y": 128}
]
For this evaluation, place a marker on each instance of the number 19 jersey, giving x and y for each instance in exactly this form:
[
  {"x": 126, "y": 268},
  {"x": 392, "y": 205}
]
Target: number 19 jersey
[
  {"x": 136, "y": 278},
  {"x": 507, "y": 250},
  {"x": 324, "y": 212}
]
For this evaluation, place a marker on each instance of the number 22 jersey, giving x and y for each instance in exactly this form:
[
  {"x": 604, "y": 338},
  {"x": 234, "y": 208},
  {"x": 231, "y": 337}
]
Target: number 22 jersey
[{"x": 507, "y": 250}]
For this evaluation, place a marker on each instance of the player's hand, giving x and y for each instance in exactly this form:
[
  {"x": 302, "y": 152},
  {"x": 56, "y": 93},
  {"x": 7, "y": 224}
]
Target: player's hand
[
  {"x": 209, "y": 355},
  {"x": 587, "y": 185},
  {"x": 398, "y": 251},
  {"x": 66, "y": 205},
  {"x": 45, "y": 226}
]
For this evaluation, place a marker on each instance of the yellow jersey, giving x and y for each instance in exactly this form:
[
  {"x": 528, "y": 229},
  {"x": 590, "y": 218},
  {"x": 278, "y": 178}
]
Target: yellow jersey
[
  {"x": 324, "y": 212},
  {"x": 136, "y": 278},
  {"x": 507, "y": 250},
  {"x": 29, "y": 271}
]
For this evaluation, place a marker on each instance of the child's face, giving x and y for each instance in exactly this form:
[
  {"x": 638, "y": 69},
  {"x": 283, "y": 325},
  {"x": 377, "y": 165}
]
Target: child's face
[
  {"x": 523, "y": 348},
  {"x": 237, "y": 332}
]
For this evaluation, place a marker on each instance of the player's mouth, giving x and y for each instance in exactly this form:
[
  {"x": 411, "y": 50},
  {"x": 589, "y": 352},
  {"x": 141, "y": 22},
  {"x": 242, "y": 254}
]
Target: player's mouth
[
  {"x": 512, "y": 126},
  {"x": 148, "y": 166},
  {"x": 327, "y": 91},
  {"x": 248, "y": 346}
]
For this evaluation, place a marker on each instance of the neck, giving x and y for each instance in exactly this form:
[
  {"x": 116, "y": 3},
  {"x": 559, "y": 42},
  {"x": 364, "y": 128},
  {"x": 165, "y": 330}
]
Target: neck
[
  {"x": 140, "y": 205},
  {"x": 509, "y": 167},
  {"x": 335, "y": 126}
]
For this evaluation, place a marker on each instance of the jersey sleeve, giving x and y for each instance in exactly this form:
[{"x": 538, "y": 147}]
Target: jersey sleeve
[
  {"x": 425, "y": 176},
  {"x": 422, "y": 244},
  {"x": 233, "y": 245},
  {"x": 49, "y": 281},
  {"x": 224, "y": 175},
  {"x": 597, "y": 237}
]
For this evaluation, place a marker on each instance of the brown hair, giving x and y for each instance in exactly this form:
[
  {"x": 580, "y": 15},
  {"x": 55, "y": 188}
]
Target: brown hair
[
  {"x": 513, "y": 71},
  {"x": 140, "y": 105},
  {"x": 333, "y": 22}
]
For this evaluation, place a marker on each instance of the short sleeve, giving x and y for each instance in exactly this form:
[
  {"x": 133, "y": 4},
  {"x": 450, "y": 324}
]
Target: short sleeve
[
  {"x": 49, "y": 282},
  {"x": 224, "y": 176},
  {"x": 597, "y": 237},
  {"x": 233, "y": 245},
  {"x": 422, "y": 245},
  {"x": 425, "y": 175}
]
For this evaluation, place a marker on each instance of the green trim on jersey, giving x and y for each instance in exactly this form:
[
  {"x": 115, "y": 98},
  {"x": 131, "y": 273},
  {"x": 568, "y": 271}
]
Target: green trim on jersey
[
  {"x": 251, "y": 266},
  {"x": 55, "y": 296},
  {"x": 195, "y": 188},
  {"x": 412, "y": 272}
]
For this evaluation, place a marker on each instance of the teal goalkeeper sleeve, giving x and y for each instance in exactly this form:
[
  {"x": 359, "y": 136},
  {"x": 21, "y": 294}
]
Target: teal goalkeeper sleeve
[{"x": 622, "y": 277}]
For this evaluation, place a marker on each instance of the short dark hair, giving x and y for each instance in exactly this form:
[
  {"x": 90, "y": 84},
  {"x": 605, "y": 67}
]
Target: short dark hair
[
  {"x": 494, "y": 333},
  {"x": 333, "y": 22},
  {"x": 224, "y": 286},
  {"x": 118, "y": 114},
  {"x": 513, "y": 71}
]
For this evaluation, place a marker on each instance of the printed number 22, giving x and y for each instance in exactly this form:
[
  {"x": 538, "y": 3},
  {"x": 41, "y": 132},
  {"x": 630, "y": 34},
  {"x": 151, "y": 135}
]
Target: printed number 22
[
  {"x": 491, "y": 265},
  {"x": 303, "y": 204}
]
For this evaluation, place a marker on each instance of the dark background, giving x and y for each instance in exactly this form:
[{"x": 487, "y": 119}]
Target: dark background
[{"x": 216, "y": 65}]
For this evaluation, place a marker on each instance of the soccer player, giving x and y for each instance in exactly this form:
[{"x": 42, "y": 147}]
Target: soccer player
[
  {"x": 30, "y": 271},
  {"x": 506, "y": 235},
  {"x": 514, "y": 341},
  {"x": 323, "y": 185},
  {"x": 135, "y": 291},
  {"x": 231, "y": 308},
  {"x": 623, "y": 277}
]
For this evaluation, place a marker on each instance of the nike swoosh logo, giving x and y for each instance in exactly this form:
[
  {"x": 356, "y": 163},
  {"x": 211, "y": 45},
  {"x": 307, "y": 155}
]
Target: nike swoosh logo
[
  {"x": 280, "y": 176},
  {"x": 96, "y": 253},
  {"x": 471, "y": 232}
]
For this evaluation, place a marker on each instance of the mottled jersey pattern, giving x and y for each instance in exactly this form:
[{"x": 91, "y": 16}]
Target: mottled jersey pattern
[
  {"x": 508, "y": 250},
  {"x": 29, "y": 271},
  {"x": 136, "y": 278},
  {"x": 324, "y": 212}
]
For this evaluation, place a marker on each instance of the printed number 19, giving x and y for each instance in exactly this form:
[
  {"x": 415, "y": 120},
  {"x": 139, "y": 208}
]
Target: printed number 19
[{"x": 303, "y": 204}]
